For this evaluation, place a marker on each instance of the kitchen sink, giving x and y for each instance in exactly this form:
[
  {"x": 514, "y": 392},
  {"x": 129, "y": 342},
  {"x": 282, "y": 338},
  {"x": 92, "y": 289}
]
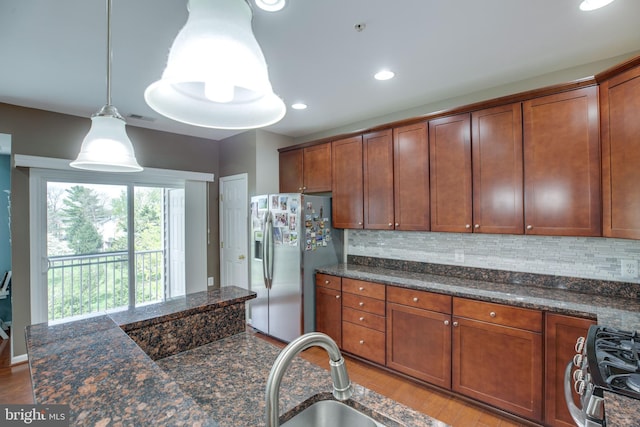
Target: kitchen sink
[{"x": 331, "y": 413}]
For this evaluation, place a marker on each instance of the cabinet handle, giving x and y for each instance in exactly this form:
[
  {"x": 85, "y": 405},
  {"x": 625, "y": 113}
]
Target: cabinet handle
[
  {"x": 467, "y": 226},
  {"x": 390, "y": 224},
  {"x": 529, "y": 227},
  {"x": 361, "y": 341},
  {"x": 362, "y": 319},
  {"x": 304, "y": 188},
  {"x": 476, "y": 226},
  {"x": 359, "y": 223},
  {"x": 300, "y": 189},
  {"x": 361, "y": 288},
  {"x": 492, "y": 314},
  {"x": 337, "y": 296},
  {"x": 326, "y": 282},
  {"x": 415, "y": 299},
  {"x": 397, "y": 225},
  {"x": 361, "y": 304},
  {"x": 455, "y": 324},
  {"x": 446, "y": 323}
]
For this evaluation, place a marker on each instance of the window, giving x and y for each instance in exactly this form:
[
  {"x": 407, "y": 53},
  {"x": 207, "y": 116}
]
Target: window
[
  {"x": 91, "y": 248},
  {"x": 155, "y": 227}
]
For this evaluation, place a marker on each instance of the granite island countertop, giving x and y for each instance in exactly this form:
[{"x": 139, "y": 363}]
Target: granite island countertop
[
  {"x": 610, "y": 304},
  {"x": 108, "y": 380}
]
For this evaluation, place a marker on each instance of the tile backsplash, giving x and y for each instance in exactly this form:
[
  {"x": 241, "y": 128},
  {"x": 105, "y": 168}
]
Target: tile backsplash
[{"x": 584, "y": 257}]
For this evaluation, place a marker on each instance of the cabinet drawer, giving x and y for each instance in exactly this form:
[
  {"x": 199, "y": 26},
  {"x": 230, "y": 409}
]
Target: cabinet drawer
[
  {"x": 370, "y": 305},
  {"x": 363, "y": 342},
  {"x": 360, "y": 287},
  {"x": 419, "y": 299},
  {"x": 363, "y": 318},
  {"x": 516, "y": 317},
  {"x": 328, "y": 281}
]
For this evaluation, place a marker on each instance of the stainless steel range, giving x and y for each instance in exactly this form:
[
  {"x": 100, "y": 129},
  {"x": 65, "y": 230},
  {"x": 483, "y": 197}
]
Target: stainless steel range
[{"x": 606, "y": 360}]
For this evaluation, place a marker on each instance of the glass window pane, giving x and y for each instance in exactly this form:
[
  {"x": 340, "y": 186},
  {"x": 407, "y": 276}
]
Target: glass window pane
[{"x": 87, "y": 249}]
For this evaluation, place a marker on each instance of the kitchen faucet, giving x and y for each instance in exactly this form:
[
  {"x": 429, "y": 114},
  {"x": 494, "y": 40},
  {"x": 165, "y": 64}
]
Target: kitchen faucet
[{"x": 341, "y": 384}]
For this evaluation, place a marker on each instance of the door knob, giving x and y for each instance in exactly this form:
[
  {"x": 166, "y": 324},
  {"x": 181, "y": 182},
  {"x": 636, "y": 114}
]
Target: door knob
[{"x": 241, "y": 257}]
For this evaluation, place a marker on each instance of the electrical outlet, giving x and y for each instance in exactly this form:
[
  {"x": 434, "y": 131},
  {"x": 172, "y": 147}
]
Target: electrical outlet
[
  {"x": 629, "y": 268},
  {"x": 459, "y": 255},
  {"x": 209, "y": 281}
]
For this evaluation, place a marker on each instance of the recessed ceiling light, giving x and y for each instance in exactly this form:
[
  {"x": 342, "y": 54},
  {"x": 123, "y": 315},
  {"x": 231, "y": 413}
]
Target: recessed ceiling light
[
  {"x": 270, "y": 5},
  {"x": 299, "y": 106},
  {"x": 593, "y": 4},
  {"x": 384, "y": 75}
]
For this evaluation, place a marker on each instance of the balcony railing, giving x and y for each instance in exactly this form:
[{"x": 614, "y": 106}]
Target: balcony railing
[{"x": 85, "y": 284}]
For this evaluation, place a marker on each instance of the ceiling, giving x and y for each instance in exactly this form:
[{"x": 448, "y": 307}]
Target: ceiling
[{"x": 53, "y": 53}]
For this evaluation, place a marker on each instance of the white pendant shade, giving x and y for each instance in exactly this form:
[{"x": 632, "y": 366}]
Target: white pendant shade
[
  {"x": 107, "y": 148},
  {"x": 587, "y": 5},
  {"x": 216, "y": 74}
]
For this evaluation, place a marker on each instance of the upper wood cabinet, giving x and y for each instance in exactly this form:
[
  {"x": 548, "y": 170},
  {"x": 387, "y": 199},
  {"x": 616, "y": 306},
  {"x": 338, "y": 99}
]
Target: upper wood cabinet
[
  {"x": 620, "y": 119},
  {"x": 306, "y": 170},
  {"x": 411, "y": 177},
  {"x": 450, "y": 174},
  {"x": 347, "y": 183},
  {"x": 496, "y": 141},
  {"x": 377, "y": 152},
  {"x": 290, "y": 171},
  {"x": 562, "y": 164}
]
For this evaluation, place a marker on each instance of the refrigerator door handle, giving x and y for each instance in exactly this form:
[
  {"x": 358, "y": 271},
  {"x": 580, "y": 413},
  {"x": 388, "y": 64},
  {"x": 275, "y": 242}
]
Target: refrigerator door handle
[
  {"x": 270, "y": 250},
  {"x": 265, "y": 242}
]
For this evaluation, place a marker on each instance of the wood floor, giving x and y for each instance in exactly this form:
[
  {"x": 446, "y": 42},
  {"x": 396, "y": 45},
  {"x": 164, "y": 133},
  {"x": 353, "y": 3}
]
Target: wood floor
[{"x": 15, "y": 387}]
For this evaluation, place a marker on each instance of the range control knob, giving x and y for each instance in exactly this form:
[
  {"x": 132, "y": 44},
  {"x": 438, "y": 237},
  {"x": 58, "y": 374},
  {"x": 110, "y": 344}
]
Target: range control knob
[
  {"x": 579, "y": 387},
  {"x": 578, "y": 375},
  {"x": 579, "y": 345},
  {"x": 577, "y": 360}
]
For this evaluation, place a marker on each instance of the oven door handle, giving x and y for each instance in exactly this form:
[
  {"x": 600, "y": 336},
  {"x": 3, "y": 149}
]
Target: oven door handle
[{"x": 577, "y": 415}]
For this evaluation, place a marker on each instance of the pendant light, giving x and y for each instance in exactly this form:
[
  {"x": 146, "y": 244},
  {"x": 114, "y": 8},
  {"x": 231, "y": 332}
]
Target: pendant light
[
  {"x": 107, "y": 148},
  {"x": 216, "y": 74}
]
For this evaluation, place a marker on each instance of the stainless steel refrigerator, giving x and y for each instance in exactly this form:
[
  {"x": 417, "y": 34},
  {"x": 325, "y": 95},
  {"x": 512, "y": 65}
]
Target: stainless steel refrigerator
[{"x": 291, "y": 236}]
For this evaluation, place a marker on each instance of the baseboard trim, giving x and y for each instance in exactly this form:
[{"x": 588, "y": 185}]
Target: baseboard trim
[{"x": 19, "y": 359}]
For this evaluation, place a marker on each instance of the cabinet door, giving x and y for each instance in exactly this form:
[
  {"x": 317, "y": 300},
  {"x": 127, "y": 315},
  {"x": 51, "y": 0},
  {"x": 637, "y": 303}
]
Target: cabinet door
[
  {"x": 561, "y": 333},
  {"x": 562, "y": 164},
  {"x": 450, "y": 175},
  {"x": 329, "y": 313},
  {"x": 496, "y": 143},
  {"x": 419, "y": 343},
  {"x": 377, "y": 151},
  {"x": 346, "y": 182},
  {"x": 411, "y": 177},
  {"x": 317, "y": 168},
  {"x": 620, "y": 113},
  {"x": 290, "y": 171},
  {"x": 498, "y": 365}
]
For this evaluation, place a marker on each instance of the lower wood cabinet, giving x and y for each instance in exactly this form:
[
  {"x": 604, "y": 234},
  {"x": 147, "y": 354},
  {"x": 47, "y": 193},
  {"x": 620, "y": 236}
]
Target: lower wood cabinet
[
  {"x": 418, "y": 337},
  {"x": 329, "y": 306},
  {"x": 497, "y": 356},
  {"x": 560, "y": 335},
  {"x": 363, "y": 319},
  {"x": 508, "y": 357}
]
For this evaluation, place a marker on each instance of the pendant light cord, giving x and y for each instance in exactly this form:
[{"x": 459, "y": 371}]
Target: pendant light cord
[{"x": 108, "y": 52}]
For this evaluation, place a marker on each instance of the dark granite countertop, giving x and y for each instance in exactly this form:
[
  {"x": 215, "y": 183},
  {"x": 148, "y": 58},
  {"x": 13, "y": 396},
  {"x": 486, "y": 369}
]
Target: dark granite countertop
[
  {"x": 178, "y": 307},
  {"x": 617, "y": 312},
  {"x": 603, "y": 303},
  {"x": 227, "y": 378},
  {"x": 107, "y": 380}
]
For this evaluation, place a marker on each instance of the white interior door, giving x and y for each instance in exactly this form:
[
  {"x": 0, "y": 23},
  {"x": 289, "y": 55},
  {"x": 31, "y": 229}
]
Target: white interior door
[
  {"x": 175, "y": 241},
  {"x": 234, "y": 225}
]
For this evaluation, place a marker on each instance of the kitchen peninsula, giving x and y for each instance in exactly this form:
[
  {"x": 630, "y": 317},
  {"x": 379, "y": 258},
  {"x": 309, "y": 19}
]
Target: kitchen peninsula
[{"x": 186, "y": 362}]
